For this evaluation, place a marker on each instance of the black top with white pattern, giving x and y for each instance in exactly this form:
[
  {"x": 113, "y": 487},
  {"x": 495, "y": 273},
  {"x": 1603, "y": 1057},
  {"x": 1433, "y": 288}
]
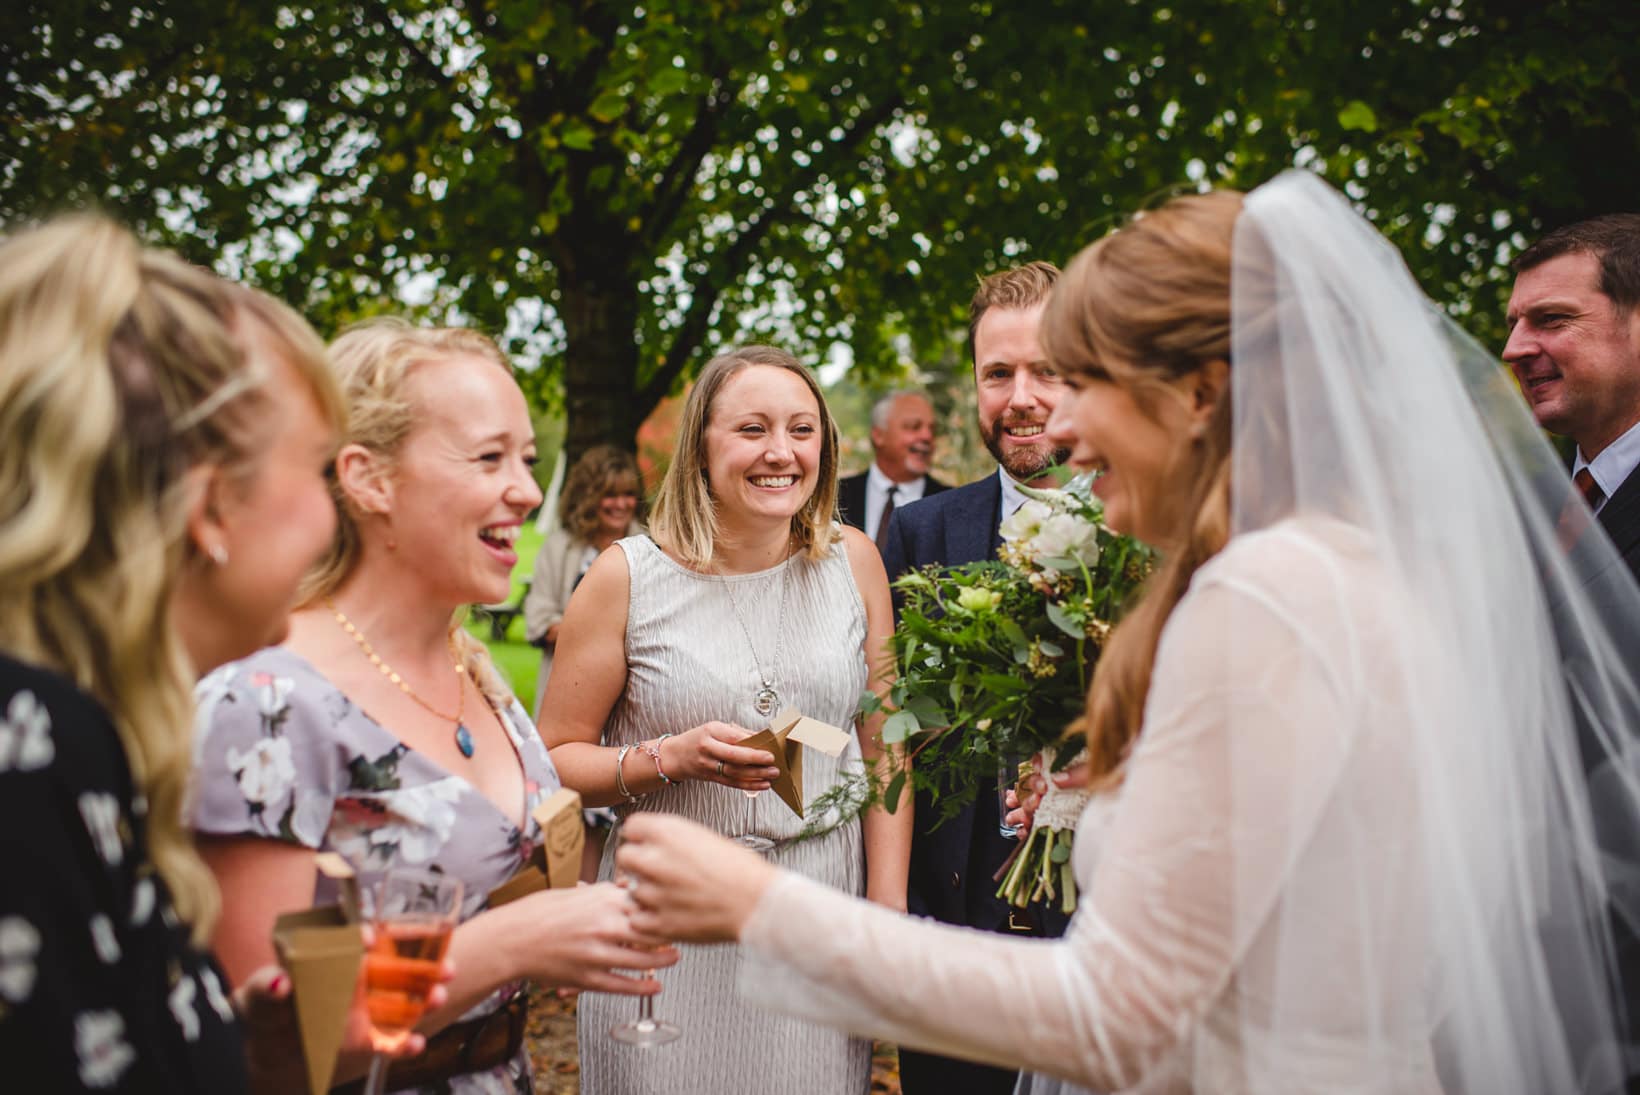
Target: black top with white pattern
[{"x": 100, "y": 986}]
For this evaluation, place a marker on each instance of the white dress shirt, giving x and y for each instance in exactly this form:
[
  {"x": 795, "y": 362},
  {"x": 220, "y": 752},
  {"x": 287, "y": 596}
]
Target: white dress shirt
[
  {"x": 1012, "y": 496},
  {"x": 877, "y": 486},
  {"x": 1614, "y": 464}
]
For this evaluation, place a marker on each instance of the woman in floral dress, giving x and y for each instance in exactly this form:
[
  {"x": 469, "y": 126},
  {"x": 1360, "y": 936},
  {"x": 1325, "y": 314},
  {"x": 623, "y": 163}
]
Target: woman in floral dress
[{"x": 381, "y": 731}]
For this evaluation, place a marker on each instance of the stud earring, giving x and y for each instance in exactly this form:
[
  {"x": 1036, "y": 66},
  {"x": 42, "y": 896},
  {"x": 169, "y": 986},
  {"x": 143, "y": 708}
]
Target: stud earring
[{"x": 218, "y": 554}]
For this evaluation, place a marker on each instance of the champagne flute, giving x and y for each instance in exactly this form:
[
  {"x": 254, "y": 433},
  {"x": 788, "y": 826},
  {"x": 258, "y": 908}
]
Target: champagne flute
[
  {"x": 645, "y": 1030},
  {"x": 413, "y": 913}
]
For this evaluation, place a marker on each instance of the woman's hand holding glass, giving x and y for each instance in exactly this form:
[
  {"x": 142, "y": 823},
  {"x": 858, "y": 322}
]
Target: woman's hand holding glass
[
  {"x": 687, "y": 883},
  {"x": 266, "y": 1006},
  {"x": 708, "y": 752},
  {"x": 578, "y": 939}
]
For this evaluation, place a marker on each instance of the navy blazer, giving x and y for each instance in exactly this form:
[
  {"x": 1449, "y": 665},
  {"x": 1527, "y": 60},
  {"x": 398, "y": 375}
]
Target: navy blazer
[
  {"x": 851, "y": 497},
  {"x": 951, "y": 865}
]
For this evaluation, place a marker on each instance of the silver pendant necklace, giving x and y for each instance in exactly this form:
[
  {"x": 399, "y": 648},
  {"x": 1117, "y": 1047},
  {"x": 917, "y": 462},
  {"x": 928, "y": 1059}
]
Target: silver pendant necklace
[{"x": 766, "y": 701}]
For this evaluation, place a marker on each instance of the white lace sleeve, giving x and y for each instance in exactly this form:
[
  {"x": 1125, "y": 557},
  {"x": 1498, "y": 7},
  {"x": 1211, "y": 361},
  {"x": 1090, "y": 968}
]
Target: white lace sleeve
[{"x": 1193, "y": 861}]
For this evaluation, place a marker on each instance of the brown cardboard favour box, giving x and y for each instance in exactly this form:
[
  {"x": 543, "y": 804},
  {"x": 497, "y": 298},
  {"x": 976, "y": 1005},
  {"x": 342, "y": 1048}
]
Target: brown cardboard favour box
[
  {"x": 785, "y": 738},
  {"x": 557, "y": 862},
  {"x": 321, "y": 949}
]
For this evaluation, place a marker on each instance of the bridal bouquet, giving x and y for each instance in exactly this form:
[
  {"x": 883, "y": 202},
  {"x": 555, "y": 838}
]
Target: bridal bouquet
[{"x": 994, "y": 660}]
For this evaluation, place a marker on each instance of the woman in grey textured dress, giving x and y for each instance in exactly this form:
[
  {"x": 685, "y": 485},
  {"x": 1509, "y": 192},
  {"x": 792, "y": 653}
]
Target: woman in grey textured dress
[{"x": 745, "y": 599}]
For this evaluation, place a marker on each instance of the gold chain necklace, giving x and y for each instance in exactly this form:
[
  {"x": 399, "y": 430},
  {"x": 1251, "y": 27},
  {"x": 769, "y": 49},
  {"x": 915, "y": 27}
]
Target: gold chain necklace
[{"x": 463, "y": 736}]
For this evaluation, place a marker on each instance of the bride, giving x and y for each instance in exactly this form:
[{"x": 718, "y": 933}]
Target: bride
[{"x": 1366, "y": 819}]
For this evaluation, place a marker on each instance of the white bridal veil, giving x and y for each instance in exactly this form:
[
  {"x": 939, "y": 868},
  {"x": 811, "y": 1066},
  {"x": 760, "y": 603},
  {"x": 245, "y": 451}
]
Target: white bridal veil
[{"x": 1475, "y": 865}]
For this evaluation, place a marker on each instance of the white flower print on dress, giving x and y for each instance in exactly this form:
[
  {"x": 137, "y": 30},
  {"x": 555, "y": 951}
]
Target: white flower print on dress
[
  {"x": 19, "y": 944},
  {"x": 264, "y": 772},
  {"x": 272, "y": 694},
  {"x": 215, "y": 996},
  {"x": 142, "y": 902},
  {"x": 99, "y": 1043},
  {"x": 101, "y": 813},
  {"x": 181, "y": 1001},
  {"x": 311, "y": 816},
  {"x": 104, "y": 940},
  {"x": 25, "y": 735},
  {"x": 409, "y": 825}
]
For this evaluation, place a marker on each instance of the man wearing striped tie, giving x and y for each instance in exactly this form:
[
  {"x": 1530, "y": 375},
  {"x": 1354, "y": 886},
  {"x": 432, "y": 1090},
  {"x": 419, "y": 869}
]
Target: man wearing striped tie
[
  {"x": 1574, "y": 346},
  {"x": 902, "y": 444}
]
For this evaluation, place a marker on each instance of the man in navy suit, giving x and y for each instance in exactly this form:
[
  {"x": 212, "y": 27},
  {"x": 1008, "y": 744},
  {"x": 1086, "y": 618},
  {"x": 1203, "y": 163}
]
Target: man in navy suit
[
  {"x": 902, "y": 443},
  {"x": 1574, "y": 346},
  {"x": 952, "y": 864}
]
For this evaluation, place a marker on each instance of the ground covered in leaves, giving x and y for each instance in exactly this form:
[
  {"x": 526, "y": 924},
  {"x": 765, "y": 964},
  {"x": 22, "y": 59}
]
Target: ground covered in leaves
[{"x": 551, "y": 1040}]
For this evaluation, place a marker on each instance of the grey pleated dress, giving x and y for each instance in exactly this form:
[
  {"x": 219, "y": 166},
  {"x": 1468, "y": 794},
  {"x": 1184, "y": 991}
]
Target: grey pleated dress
[{"x": 688, "y": 662}]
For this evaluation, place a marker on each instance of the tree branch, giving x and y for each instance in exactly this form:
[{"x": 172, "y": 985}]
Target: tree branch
[
  {"x": 686, "y": 340},
  {"x": 679, "y": 176}
]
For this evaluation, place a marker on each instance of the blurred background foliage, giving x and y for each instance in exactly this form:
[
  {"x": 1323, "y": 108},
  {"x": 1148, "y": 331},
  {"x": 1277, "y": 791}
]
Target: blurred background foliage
[{"x": 620, "y": 189}]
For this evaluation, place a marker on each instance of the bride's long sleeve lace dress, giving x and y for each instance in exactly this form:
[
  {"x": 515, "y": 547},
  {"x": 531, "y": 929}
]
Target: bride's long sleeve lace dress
[{"x": 1223, "y": 944}]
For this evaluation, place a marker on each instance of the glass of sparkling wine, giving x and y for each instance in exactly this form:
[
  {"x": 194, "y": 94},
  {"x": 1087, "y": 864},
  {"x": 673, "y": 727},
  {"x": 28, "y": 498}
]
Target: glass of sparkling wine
[
  {"x": 645, "y": 1030},
  {"x": 412, "y": 915}
]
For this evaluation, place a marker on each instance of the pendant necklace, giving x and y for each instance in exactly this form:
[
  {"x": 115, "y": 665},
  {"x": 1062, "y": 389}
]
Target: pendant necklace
[
  {"x": 766, "y": 701},
  {"x": 463, "y": 736}
]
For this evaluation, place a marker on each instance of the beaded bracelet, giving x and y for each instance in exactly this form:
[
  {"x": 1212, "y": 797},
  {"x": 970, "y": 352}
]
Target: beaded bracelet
[
  {"x": 620, "y": 777},
  {"x": 654, "y": 752}
]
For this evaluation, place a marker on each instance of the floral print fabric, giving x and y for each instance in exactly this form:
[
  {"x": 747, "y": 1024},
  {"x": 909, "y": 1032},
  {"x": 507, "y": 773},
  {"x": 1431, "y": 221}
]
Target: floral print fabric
[
  {"x": 283, "y": 754},
  {"x": 101, "y": 988}
]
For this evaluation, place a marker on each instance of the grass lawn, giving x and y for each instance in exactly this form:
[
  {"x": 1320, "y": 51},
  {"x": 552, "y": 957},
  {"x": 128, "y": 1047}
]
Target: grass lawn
[{"x": 517, "y": 659}]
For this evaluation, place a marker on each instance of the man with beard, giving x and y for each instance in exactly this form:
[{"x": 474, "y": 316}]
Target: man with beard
[
  {"x": 902, "y": 443},
  {"x": 952, "y": 863}
]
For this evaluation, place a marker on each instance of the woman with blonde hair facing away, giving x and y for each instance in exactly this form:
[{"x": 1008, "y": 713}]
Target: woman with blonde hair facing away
[
  {"x": 380, "y": 729},
  {"x": 163, "y": 438},
  {"x": 598, "y": 506},
  {"x": 1365, "y": 750},
  {"x": 745, "y": 598}
]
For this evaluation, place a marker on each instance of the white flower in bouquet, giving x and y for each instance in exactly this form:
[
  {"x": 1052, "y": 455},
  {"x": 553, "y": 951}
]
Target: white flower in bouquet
[
  {"x": 1026, "y": 521},
  {"x": 1066, "y": 536}
]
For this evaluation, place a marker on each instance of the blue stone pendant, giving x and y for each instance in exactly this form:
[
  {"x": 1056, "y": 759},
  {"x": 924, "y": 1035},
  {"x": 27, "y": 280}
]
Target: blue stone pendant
[{"x": 464, "y": 740}]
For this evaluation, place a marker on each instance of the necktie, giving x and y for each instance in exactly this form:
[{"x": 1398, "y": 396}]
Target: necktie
[
  {"x": 1574, "y": 522},
  {"x": 882, "y": 521},
  {"x": 1592, "y": 494}
]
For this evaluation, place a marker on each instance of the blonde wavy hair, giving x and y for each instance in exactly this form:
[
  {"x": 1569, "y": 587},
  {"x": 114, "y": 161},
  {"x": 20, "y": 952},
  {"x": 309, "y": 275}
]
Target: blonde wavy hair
[
  {"x": 123, "y": 371},
  {"x": 601, "y": 471},
  {"x": 373, "y": 363},
  {"x": 684, "y": 518},
  {"x": 1143, "y": 306}
]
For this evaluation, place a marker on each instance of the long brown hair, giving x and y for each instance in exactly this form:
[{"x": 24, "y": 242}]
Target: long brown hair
[
  {"x": 1144, "y": 306},
  {"x": 685, "y": 514}
]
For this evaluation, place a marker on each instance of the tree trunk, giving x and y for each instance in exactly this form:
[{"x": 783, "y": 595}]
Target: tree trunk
[{"x": 600, "y": 364}]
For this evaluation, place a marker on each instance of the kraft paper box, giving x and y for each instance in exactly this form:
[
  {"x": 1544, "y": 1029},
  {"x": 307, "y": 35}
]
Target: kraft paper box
[
  {"x": 785, "y": 738},
  {"x": 557, "y": 862},
  {"x": 321, "y": 950}
]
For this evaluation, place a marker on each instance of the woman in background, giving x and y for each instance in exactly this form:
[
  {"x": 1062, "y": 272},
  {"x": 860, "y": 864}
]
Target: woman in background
[
  {"x": 381, "y": 730},
  {"x": 598, "y": 506}
]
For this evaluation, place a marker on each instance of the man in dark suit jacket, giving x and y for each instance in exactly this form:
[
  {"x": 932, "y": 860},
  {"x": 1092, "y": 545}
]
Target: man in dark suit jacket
[
  {"x": 1574, "y": 346},
  {"x": 902, "y": 443},
  {"x": 952, "y": 864}
]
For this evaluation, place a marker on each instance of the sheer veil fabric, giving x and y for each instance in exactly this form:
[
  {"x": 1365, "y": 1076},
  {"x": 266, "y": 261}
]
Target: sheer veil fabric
[
  {"x": 1476, "y": 857},
  {"x": 1380, "y": 830}
]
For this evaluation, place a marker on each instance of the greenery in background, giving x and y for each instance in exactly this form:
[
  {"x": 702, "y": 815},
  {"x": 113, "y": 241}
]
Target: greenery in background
[
  {"x": 518, "y": 661},
  {"x": 633, "y": 186}
]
